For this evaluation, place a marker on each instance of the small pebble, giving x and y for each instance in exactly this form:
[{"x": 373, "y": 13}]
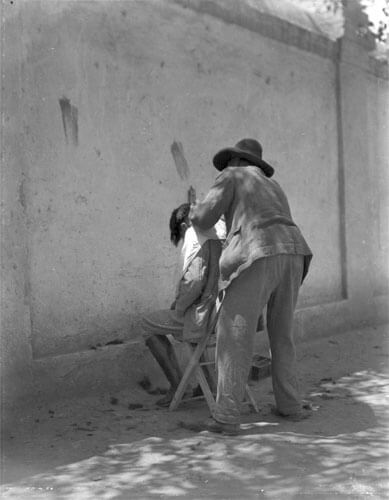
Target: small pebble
[{"x": 134, "y": 406}]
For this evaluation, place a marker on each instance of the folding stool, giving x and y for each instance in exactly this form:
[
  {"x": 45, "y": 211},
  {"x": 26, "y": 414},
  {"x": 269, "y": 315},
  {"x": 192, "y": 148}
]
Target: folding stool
[{"x": 198, "y": 360}]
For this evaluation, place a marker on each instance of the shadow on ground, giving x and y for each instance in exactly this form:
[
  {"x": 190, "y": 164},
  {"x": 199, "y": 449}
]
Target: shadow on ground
[{"x": 102, "y": 450}]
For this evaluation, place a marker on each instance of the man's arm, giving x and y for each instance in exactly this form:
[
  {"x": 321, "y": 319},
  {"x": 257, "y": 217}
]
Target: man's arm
[
  {"x": 206, "y": 213},
  {"x": 193, "y": 282}
]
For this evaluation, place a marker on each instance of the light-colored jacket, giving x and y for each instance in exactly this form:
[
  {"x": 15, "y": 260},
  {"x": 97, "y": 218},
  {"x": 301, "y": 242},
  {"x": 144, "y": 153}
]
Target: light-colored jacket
[
  {"x": 197, "y": 290},
  {"x": 258, "y": 219}
]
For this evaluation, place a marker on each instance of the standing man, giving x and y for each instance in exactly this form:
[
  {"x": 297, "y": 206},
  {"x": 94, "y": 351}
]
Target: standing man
[{"x": 264, "y": 262}]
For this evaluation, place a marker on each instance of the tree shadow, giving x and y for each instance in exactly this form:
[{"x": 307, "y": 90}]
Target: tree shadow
[{"x": 340, "y": 450}]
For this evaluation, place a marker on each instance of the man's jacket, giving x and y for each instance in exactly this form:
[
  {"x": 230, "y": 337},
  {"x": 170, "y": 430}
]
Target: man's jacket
[
  {"x": 198, "y": 288},
  {"x": 258, "y": 219}
]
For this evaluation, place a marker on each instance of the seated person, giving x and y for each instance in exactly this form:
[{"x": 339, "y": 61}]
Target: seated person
[{"x": 190, "y": 314}]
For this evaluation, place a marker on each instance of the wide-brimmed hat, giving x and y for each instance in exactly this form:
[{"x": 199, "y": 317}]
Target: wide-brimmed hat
[{"x": 249, "y": 149}]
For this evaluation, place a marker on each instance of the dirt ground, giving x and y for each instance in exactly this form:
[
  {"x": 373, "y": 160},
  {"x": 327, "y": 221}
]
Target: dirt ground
[{"x": 120, "y": 446}]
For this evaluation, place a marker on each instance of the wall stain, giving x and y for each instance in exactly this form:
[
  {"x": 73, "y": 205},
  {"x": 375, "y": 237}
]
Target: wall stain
[
  {"x": 22, "y": 194},
  {"x": 179, "y": 159},
  {"x": 81, "y": 200},
  {"x": 200, "y": 68},
  {"x": 69, "y": 120}
]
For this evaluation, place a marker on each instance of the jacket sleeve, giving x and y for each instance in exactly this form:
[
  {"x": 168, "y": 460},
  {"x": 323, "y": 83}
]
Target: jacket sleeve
[
  {"x": 193, "y": 282},
  {"x": 206, "y": 213}
]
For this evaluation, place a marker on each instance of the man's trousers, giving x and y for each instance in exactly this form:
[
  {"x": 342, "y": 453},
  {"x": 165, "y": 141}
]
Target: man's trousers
[{"x": 273, "y": 281}]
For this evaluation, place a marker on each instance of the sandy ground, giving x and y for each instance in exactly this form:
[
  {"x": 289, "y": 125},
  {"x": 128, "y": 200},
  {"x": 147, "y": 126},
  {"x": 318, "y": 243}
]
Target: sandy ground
[{"x": 107, "y": 448}]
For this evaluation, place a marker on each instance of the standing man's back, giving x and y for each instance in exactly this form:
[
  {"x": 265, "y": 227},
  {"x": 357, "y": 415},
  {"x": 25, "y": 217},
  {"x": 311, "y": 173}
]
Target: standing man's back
[
  {"x": 264, "y": 261},
  {"x": 258, "y": 219}
]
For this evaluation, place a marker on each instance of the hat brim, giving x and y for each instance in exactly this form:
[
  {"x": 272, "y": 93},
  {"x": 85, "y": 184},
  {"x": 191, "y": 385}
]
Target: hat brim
[{"x": 221, "y": 159}]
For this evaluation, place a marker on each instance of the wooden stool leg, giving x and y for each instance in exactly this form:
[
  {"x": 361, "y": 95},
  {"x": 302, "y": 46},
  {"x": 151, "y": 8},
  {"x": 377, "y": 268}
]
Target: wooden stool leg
[
  {"x": 209, "y": 369},
  {"x": 205, "y": 388},
  {"x": 179, "y": 394},
  {"x": 193, "y": 363},
  {"x": 251, "y": 399}
]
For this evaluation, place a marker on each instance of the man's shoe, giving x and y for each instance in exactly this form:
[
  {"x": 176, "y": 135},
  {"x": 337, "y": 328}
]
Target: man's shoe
[
  {"x": 297, "y": 416},
  {"x": 212, "y": 425}
]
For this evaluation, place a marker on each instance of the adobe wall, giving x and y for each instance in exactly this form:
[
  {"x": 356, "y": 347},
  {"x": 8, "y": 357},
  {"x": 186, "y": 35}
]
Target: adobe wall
[{"x": 111, "y": 111}]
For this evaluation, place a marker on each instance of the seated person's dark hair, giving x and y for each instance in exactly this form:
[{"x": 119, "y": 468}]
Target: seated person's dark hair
[{"x": 178, "y": 216}]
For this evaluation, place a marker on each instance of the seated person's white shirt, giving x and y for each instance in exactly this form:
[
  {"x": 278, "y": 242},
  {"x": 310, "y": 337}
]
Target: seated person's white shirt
[{"x": 193, "y": 240}]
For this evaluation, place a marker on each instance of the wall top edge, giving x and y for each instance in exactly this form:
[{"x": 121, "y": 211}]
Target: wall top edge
[{"x": 265, "y": 24}]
